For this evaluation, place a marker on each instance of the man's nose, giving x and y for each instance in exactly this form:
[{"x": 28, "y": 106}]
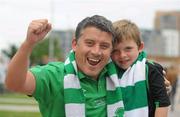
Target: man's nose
[{"x": 96, "y": 50}]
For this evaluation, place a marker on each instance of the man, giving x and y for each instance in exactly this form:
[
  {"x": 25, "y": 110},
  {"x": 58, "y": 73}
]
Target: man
[{"x": 85, "y": 85}]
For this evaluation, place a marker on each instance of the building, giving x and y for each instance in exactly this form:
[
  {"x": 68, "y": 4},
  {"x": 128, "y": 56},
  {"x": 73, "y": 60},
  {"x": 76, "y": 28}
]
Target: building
[
  {"x": 171, "y": 40},
  {"x": 168, "y": 24},
  {"x": 65, "y": 39},
  {"x": 153, "y": 42},
  {"x": 167, "y": 20}
]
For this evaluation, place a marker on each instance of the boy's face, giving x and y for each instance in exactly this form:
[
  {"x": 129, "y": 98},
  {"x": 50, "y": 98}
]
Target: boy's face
[
  {"x": 92, "y": 51},
  {"x": 126, "y": 52}
]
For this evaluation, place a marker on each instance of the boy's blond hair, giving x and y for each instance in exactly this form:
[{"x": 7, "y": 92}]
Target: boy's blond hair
[{"x": 125, "y": 30}]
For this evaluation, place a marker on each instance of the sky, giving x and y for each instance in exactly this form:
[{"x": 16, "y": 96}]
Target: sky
[{"x": 15, "y": 15}]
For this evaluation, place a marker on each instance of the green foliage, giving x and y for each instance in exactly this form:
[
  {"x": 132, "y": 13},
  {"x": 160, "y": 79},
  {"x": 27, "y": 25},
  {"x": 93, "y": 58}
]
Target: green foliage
[
  {"x": 39, "y": 51},
  {"x": 42, "y": 49}
]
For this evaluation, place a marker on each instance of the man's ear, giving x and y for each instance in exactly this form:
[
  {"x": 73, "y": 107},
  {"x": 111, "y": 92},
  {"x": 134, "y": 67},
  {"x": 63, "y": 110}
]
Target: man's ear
[
  {"x": 141, "y": 47},
  {"x": 74, "y": 44}
]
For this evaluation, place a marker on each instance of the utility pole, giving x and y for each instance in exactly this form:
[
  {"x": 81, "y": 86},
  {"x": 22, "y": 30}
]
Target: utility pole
[{"x": 51, "y": 39}]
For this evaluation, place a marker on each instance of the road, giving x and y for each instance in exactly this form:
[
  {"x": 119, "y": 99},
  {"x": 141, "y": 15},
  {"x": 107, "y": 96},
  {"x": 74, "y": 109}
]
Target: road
[{"x": 176, "y": 112}]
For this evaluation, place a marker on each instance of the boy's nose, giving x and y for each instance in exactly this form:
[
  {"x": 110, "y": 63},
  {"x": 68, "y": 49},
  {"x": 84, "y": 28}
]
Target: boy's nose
[{"x": 122, "y": 54}]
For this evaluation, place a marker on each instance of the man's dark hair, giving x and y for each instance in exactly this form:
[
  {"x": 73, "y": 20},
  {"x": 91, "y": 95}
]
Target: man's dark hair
[{"x": 97, "y": 21}]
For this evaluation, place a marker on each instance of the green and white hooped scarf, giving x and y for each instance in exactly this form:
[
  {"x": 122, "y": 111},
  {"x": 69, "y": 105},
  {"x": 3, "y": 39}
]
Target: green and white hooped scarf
[
  {"x": 74, "y": 97},
  {"x": 134, "y": 88}
]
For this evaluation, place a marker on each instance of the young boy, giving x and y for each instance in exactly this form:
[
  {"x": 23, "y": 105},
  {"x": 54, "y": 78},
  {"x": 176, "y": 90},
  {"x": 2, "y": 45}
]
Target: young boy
[{"x": 144, "y": 92}]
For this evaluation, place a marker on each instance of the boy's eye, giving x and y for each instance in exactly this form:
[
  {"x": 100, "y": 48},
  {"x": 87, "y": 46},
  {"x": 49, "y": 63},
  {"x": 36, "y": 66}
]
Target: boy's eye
[{"x": 128, "y": 49}]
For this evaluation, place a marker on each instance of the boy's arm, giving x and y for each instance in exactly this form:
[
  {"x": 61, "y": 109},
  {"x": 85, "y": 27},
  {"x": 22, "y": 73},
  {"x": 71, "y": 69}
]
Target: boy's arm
[
  {"x": 162, "y": 71},
  {"x": 158, "y": 94},
  {"x": 161, "y": 112},
  {"x": 18, "y": 78}
]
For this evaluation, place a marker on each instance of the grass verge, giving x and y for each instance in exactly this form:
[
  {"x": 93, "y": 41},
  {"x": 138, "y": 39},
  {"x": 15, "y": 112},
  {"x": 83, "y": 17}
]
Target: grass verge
[{"x": 19, "y": 114}]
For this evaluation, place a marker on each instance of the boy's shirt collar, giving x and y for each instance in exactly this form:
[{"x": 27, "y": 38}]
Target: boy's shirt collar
[{"x": 120, "y": 71}]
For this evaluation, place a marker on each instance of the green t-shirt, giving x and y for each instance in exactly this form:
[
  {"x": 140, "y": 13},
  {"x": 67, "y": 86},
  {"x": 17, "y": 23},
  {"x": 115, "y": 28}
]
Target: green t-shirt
[{"x": 50, "y": 94}]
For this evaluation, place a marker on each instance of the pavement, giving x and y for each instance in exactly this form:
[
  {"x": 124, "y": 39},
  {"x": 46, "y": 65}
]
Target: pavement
[
  {"x": 17, "y": 104},
  {"x": 20, "y": 108},
  {"x": 176, "y": 111}
]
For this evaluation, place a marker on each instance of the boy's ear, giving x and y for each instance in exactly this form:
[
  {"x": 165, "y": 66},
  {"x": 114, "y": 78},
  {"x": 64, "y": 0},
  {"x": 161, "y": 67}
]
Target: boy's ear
[{"x": 141, "y": 47}]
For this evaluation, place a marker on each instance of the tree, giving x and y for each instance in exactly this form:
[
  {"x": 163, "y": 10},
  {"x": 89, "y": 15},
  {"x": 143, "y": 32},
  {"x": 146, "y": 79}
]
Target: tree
[
  {"x": 11, "y": 51},
  {"x": 42, "y": 49}
]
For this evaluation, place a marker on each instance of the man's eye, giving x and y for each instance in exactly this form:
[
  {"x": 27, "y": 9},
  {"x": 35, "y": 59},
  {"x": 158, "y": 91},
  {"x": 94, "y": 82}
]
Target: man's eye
[
  {"x": 89, "y": 43},
  {"x": 104, "y": 46}
]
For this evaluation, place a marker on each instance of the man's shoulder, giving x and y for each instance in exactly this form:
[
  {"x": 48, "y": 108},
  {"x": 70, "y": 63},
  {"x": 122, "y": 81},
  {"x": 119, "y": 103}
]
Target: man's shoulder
[
  {"x": 50, "y": 68},
  {"x": 56, "y": 64}
]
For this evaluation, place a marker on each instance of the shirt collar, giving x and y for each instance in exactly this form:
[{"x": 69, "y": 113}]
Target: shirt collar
[{"x": 81, "y": 75}]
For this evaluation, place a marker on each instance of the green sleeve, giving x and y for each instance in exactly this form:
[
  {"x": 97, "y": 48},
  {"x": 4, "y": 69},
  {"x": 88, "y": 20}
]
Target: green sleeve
[{"x": 49, "y": 81}]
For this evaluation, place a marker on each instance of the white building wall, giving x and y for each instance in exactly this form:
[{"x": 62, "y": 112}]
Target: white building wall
[{"x": 171, "y": 38}]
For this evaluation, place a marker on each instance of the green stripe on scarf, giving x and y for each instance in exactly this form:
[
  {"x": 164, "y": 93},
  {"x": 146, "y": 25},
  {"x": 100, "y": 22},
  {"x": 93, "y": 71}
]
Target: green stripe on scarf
[
  {"x": 137, "y": 100},
  {"x": 75, "y": 99},
  {"x": 111, "y": 96},
  {"x": 111, "y": 68},
  {"x": 77, "y": 95}
]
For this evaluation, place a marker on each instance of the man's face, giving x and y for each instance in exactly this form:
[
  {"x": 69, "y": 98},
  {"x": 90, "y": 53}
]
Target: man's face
[
  {"x": 125, "y": 53},
  {"x": 92, "y": 51}
]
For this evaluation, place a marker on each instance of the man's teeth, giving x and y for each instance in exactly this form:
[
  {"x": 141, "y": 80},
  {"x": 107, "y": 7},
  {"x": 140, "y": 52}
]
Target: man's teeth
[{"x": 93, "y": 60}]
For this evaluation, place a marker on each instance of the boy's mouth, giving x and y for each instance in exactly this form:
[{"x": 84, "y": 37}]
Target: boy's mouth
[{"x": 124, "y": 61}]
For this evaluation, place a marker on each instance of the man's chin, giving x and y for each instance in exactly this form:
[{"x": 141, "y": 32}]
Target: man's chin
[{"x": 92, "y": 74}]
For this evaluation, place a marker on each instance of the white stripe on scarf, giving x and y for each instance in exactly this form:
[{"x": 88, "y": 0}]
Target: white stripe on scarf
[{"x": 134, "y": 74}]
